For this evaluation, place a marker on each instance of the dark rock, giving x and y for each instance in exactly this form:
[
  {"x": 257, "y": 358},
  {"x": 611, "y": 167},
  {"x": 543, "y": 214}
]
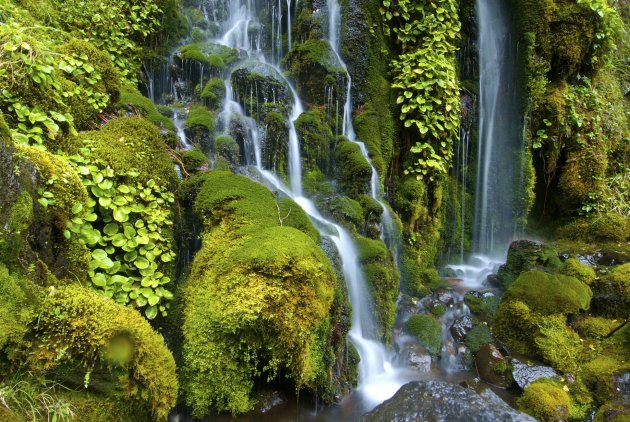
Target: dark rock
[
  {"x": 267, "y": 400},
  {"x": 622, "y": 387},
  {"x": 493, "y": 280},
  {"x": 441, "y": 401},
  {"x": 446, "y": 298},
  {"x": 460, "y": 327},
  {"x": 524, "y": 374},
  {"x": 486, "y": 361}
]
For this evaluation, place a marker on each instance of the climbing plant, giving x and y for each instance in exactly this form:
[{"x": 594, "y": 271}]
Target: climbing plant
[
  {"x": 425, "y": 75},
  {"x": 125, "y": 224}
]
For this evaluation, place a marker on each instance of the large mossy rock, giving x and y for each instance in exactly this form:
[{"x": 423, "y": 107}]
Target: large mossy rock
[
  {"x": 525, "y": 255},
  {"x": 440, "y": 401},
  {"x": 611, "y": 293},
  {"x": 80, "y": 331},
  {"x": 258, "y": 297}
]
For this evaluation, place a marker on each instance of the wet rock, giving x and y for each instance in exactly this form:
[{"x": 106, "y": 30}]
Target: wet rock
[
  {"x": 460, "y": 327},
  {"x": 493, "y": 280},
  {"x": 418, "y": 358},
  {"x": 622, "y": 387},
  {"x": 489, "y": 362},
  {"x": 440, "y": 401},
  {"x": 524, "y": 374},
  {"x": 267, "y": 400},
  {"x": 446, "y": 298}
]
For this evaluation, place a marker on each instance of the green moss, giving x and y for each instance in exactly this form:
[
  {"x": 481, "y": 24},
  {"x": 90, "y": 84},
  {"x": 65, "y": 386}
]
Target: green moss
[
  {"x": 612, "y": 292},
  {"x": 545, "y": 400},
  {"x": 200, "y": 126},
  {"x": 101, "y": 408},
  {"x": 84, "y": 322},
  {"x": 354, "y": 172},
  {"x": 597, "y": 327},
  {"x": 438, "y": 310},
  {"x": 131, "y": 98},
  {"x": 17, "y": 308},
  {"x": 257, "y": 300},
  {"x": 477, "y": 337},
  {"x": 613, "y": 412},
  {"x": 348, "y": 212},
  {"x": 558, "y": 344},
  {"x": 294, "y": 216},
  {"x": 316, "y": 139},
  {"x": 226, "y": 146},
  {"x": 524, "y": 255},
  {"x": 485, "y": 307},
  {"x": 515, "y": 325},
  {"x": 213, "y": 93},
  {"x": 601, "y": 228},
  {"x": 193, "y": 160},
  {"x": 133, "y": 143},
  {"x": 5, "y": 134},
  {"x": 549, "y": 293},
  {"x": 59, "y": 179},
  {"x": 427, "y": 330},
  {"x": 574, "y": 268}
]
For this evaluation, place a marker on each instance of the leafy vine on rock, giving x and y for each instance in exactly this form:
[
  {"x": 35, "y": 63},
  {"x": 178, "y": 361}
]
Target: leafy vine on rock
[{"x": 425, "y": 75}]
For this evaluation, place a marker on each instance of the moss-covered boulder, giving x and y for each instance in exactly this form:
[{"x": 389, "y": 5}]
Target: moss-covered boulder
[
  {"x": 258, "y": 298},
  {"x": 353, "y": 170},
  {"x": 199, "y": 127},
  {"x": 548, "y": 294},
  {"x": 132, "y": 100},
  {"x": 316, "y": 139},
  {"x": 524, "y": 255},
  {"x": 228, "y": 148},
  {"x": 427, "y": 330},
  {"x": 574, "y": 268},
  {"x": 611, "y": 293},
  {"x": 546, "y": 401},
  {"x": 257, "y": 85},
  {"x": 79, "y": 331},
  {"x": 314, "y": 65}
]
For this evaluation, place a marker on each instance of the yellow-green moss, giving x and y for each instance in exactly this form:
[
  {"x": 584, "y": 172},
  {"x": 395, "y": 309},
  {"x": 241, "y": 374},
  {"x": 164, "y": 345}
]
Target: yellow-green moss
[
  {"x": 17, "y": 307},
  {"x": 545, "y": 400},
  {"x": 227, "y": 147},
  {"x": 427, "y": 330},
  {"x": 78, "y": 324},
  {"x": 353, "y": 169},
  {"x": 257, "y": 299},
  {"x": 131, "y": 98},
  {"x": 133, "y": 143},
  {"x": 574, "y": 268},
  {"x": 597, "y": 327},
  {"x": 549, "y": 293}
]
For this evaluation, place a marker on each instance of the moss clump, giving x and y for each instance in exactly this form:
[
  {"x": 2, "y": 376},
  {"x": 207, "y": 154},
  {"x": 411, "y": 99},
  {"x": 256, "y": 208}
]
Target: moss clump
[
  {"x": 597, "y": 327},
  {"x": 201, "y": 117},
  {"x": 17, "y": 308},
  {"x": 558, "y": 344},
  {"x": 354, "y": 170},
  {"x": 101, "y": 408},
  {"x": 550, "y": 293},
  {"x": 427, "y": 330},
  {"x": 131, "y": 98},
  {"x": 477, "y": 337},
  {"x": 483, "y": 306},
  {"x": 545, "y": 400},
  {"x": 193, "y": 160},
  {"x": 226, "y": 147},
  {"x": 524, "y": 255},
  {"x": 293, "y": 215},
  {"x": 133, "y": 143},
  {"x": 257, "y": 300},
  {"x": 610, "y": 227},
  {"x": 80, "y": 325},
  {"x": 612, "y": 293},
  {"x": 348, "y": 212},
  {"x": 213, "y": 93},
  {"x": 316, "y": 139},
  {"x": 574, "y": 268}
]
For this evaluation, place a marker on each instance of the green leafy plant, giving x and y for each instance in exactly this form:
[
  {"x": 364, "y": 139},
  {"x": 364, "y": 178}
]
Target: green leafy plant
[
  {"x": 125, "y": 224},
  {"x": 425, "y": 75}
]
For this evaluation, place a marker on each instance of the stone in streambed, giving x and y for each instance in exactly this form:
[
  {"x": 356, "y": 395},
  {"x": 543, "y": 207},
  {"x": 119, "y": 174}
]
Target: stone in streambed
[
  {"x": 441, "y": 401},
  {"x": 491, "y": 365},
  {"x": 460, "y": 327},
  {"x": 524, "y": 374}
]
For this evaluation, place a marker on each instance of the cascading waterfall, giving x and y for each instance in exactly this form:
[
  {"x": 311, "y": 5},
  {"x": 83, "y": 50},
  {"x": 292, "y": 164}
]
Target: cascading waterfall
[{"x": 378, "y": 380}]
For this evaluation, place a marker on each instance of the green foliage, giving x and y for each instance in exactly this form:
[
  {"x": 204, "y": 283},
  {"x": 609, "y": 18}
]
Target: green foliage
[
  {"x": 256, "y": 301},
  {"x": 477, "y": 337},
  {"x": 574, "y": 268},
  {"x": 348, "y": 212},
  {"x": 546, "y": 400},
  {"x": 80, "y": 325},
  {"x": 550, "y": 293},
  {"x": 427, "y": 330},
  {"x": 125, "y": 224},
  {"x": 483, "y": 306},
  {"x": 26, "y": 397},
  {"x": 425, "y": 74}
]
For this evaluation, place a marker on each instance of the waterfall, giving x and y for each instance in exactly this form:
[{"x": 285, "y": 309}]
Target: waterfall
[
  {"x": 377, "y": 380},
  {"x": 500, "y": 142}
]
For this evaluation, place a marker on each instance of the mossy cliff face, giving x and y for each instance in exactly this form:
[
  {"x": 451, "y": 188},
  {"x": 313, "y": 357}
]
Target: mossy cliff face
[
  {"x": 578, "y": 128},
  {"x": 258, "y": 300}
]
